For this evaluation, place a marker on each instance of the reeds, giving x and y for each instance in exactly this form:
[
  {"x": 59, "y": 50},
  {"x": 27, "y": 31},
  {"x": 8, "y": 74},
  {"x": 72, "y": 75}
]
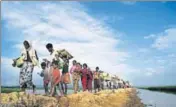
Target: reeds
[{"x": 168, "y": 89}]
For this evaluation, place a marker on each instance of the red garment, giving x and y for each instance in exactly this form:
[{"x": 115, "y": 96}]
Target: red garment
[
  {"x": 56, "y": 76},
  {"x": 84, "y": 79},
  {"x": 89, "y": 80}
]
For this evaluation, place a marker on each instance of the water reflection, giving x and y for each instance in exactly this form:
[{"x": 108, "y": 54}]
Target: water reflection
[{"x": 157, "y": 99}]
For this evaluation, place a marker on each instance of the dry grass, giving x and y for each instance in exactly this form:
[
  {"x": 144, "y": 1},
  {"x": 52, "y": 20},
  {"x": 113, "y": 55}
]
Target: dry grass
[{"x": 107, "y": 98}]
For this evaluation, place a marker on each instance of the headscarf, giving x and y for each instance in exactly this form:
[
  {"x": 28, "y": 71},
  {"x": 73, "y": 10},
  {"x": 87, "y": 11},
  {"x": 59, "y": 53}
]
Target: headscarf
[{"x": 30, "y": 45}]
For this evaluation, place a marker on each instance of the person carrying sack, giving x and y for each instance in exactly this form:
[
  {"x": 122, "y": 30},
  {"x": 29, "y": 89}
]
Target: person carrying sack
[{"x": 26, "y": 62}]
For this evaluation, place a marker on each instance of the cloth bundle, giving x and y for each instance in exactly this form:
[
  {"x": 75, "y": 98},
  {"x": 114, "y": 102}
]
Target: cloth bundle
[
  {"x": 64, "y": 52},
  {"x": 18, "y": 62}
]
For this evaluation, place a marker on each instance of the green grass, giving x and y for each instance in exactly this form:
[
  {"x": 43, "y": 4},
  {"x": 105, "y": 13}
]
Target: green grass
[
  {"x": 9, "y": 90},
  {"x": 167, "y": 89},
  {"x": 17, "y": 89}
]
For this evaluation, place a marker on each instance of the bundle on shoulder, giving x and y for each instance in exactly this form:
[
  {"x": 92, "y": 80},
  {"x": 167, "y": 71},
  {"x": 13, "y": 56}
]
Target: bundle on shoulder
[{"x": 64, "y": 52}]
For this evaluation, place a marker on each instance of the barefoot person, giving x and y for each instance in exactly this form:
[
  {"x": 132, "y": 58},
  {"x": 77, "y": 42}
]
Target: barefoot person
[
  {"x": 30, "y": 59},
  {"x": 62, "y": 57},
  {"x": 102, "y": 80},
  {"x": 54, "y": 56},
  {"x": 46, "y": 76},
  {"x": 55, "y": 79},
  {"x": 65, "y": 79},
  {"x": 81, "y": 67},
  {"x": 96, "y": 79},
  {"x": 72, "y": 70},
  {"x": 84, "y": 77},
  {"x": 75, "y": 70},
  {"x": 89, "y": 80}
]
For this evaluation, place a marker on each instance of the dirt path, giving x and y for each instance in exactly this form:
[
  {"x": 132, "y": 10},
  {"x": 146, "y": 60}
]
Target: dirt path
[{"x": 107, "y": 98}]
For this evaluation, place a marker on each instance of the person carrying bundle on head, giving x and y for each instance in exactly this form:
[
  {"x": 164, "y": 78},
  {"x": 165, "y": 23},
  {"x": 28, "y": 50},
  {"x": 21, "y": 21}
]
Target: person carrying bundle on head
[
  {"x": 65, "y": 75},
  {"x": 62, "y": 58}
]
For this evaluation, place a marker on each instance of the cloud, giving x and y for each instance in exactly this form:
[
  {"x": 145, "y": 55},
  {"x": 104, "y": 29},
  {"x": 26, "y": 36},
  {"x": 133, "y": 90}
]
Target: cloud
[
  {"x": 149, "y": 74},
  {"x": 150, "y": 36},
  {"x": 151, "y": 71},
  {"x": 67, "y": 25},
  {"x": 161, "y": 61},
  {"x": 10, "y": 74},
  {"x": 165, "y": 40}
]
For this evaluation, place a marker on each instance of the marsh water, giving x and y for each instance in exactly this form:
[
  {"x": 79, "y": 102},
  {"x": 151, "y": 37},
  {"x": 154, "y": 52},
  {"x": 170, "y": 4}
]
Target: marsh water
[
  {"x": 157, "y": 99},
  {"x": 150, "y": 98}
]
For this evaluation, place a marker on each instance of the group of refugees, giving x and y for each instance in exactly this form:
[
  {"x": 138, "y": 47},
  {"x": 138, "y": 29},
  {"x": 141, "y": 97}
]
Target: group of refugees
[{"x": 55, "y": 71}]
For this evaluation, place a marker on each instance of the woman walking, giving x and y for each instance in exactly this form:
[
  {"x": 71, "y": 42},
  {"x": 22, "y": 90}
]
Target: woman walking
[
  {"x": 84, "y": 77},
  {"x": 76, "y": 76},
  {"x": 30, "y": 60},
  {"x": 89, "y": 80}
]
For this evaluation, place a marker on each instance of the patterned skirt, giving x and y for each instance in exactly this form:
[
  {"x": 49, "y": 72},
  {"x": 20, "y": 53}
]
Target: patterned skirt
[{"x": 25, "y": 78}]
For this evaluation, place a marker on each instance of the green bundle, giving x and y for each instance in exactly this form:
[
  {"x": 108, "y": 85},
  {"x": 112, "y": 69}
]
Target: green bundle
[
  {"x": 61, "y": 65},
  {"x": 18, "y": 62},
  {"x": 64, "y": 52}
]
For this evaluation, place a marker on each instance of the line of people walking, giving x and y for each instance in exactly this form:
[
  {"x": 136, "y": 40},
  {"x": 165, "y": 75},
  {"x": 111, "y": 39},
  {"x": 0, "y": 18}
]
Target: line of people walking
[{"x": 55, "y": 71}]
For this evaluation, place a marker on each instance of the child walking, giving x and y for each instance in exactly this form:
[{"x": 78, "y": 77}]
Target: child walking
[
  {"x": 55, "y": 78},
  {"x": 45, "y": 75}
]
